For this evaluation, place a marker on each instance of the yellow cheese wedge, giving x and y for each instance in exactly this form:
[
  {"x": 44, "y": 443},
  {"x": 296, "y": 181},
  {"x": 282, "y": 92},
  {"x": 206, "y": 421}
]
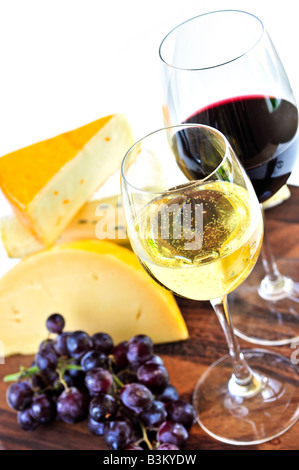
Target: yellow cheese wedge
[
  {"x": 48, "y": 182},
  {"x": 96, "y": 285},
  {"x": 282, "y": 195},
  {"x": 101, "y": 219}
]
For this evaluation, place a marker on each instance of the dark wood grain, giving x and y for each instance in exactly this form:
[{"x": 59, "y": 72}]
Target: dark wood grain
[{"x": 186, "y": 361}]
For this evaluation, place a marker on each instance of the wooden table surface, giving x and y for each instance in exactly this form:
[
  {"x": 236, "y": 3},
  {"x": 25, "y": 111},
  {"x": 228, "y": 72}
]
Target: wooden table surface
[{"x": 186, "y": 361}]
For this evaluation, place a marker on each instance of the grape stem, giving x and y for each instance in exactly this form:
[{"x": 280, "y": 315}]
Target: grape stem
[
  {"x": 22, "y": 374},
  {"x": 144, "y": 435},
  {"x": 61, "y": 379},
  {"x": 118, "y": 382},
  {"x": 72, "y": 367},
  {"x": 28, "y": 372}
]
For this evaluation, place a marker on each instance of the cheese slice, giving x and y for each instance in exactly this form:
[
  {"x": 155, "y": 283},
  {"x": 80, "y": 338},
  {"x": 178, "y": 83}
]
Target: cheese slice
[
  {"x": 96, "y": 285},
  {"x": 102, "y": 219},
  {"x": 48, "y": 182},
  {"x": 282, "y": 195}
]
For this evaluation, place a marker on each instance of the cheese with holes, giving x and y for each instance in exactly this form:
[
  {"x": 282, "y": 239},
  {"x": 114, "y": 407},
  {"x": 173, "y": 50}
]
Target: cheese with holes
[
  {"x": 48, "y": 182},
  {"x": 100, "y": 218},
  {"x": 96, "y": 285}
]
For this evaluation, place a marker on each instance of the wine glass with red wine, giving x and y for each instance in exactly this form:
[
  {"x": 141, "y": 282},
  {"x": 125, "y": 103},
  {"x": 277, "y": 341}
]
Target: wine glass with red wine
[{"x": 221, "y": 69}]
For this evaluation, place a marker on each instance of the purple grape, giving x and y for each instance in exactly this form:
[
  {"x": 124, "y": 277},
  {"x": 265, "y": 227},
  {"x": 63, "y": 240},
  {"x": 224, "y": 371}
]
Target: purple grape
[
  {"x": 60, "y": 344},
  {"x": 167, "y": 446},
  {"x": 120, "y": 354},
  {"x": 47, "y": 345},
  {"x": 136, "y": 397},
  {"x": 127, "y": 376},
  {"x": 132, "y": 447},
  {"x": 172, "y": 433},
  {"x": 103, "y": 407},
  {"x": 72, "y": 406},
  {"x": 70, "y": 381},
  {"x": 50, "y": 377},
  {"x": 140, "y": 349},
  {"x": 169, "y": 393},
  {"x": 102, "y": 342},
  {"x": 19, "y": 396},
  {"x": 181, "y": 412},
  {"x": 125, "y": 413},
  {"x": 43, "y": 409},
  {"x": 155, "y": 416},
  {"x": 26, "y": 420},
  {"x": 98, "y": 381},
  {"x": 38, "y": 382},
  {"x": 46, "y": 360},
  {"x": 118, "y": 434},
  {"x": 93, "y": 359},
  {"x": 76, "y": 374},
  {"x": 55, "y": 323},
  {"x": 56, "y": 391},
  {"x": 153, "y": 376},
  {"x": 133, "y": 367},
  {"x": 78, "y": 343},
  {"x": 155, "y": 360},
  {"x": 94, "y": 427}
]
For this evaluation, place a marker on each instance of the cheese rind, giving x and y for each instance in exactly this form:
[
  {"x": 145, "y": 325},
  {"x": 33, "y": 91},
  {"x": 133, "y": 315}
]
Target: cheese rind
[
  {"x": 97, "y": 286},
  {"x": 46, "y": 196},
  {"x": 101, "y": 219}
]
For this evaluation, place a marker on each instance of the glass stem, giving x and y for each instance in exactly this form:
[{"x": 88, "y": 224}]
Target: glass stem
[
  {"x": 274, "y": 286},
  {"x": 244, "y": 382},
  {"x": 268, "y": 259}
]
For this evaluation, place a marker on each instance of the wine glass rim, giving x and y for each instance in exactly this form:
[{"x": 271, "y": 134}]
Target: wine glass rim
[
  {"x": 216, "y": 65},
  {"x": 193, "y": 182}
]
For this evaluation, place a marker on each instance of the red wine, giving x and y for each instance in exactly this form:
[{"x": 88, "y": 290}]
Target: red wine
[{"x": 263, "y": 133}]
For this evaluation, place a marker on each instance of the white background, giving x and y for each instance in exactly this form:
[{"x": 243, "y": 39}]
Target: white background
[
  {"x": 64, "y": 63},
  {"x": 67, "y": 62}
]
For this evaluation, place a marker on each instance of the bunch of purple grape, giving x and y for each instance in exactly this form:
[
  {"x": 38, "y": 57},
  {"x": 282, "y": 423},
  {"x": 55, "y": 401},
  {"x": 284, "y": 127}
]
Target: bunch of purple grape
[{"x": 123, "y": 391}]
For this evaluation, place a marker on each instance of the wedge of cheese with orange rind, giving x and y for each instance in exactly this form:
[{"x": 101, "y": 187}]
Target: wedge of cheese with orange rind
[
  {"x": 96, "y": 286},
  {"x": 48, "y": 182}
]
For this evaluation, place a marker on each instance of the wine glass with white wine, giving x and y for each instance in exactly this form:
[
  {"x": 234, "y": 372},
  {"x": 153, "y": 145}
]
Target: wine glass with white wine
[{"x": 201, "y": 239}]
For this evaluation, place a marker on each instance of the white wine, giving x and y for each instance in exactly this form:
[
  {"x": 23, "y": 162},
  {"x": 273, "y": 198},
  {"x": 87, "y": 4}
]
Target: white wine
[{"x": 200, "y": 241}]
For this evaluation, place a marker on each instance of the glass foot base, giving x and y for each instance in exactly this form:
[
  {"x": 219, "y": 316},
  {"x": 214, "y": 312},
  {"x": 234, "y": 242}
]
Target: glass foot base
[
  {"x": 266, "y": 322},
  {"x": 256, "y": 419}
]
